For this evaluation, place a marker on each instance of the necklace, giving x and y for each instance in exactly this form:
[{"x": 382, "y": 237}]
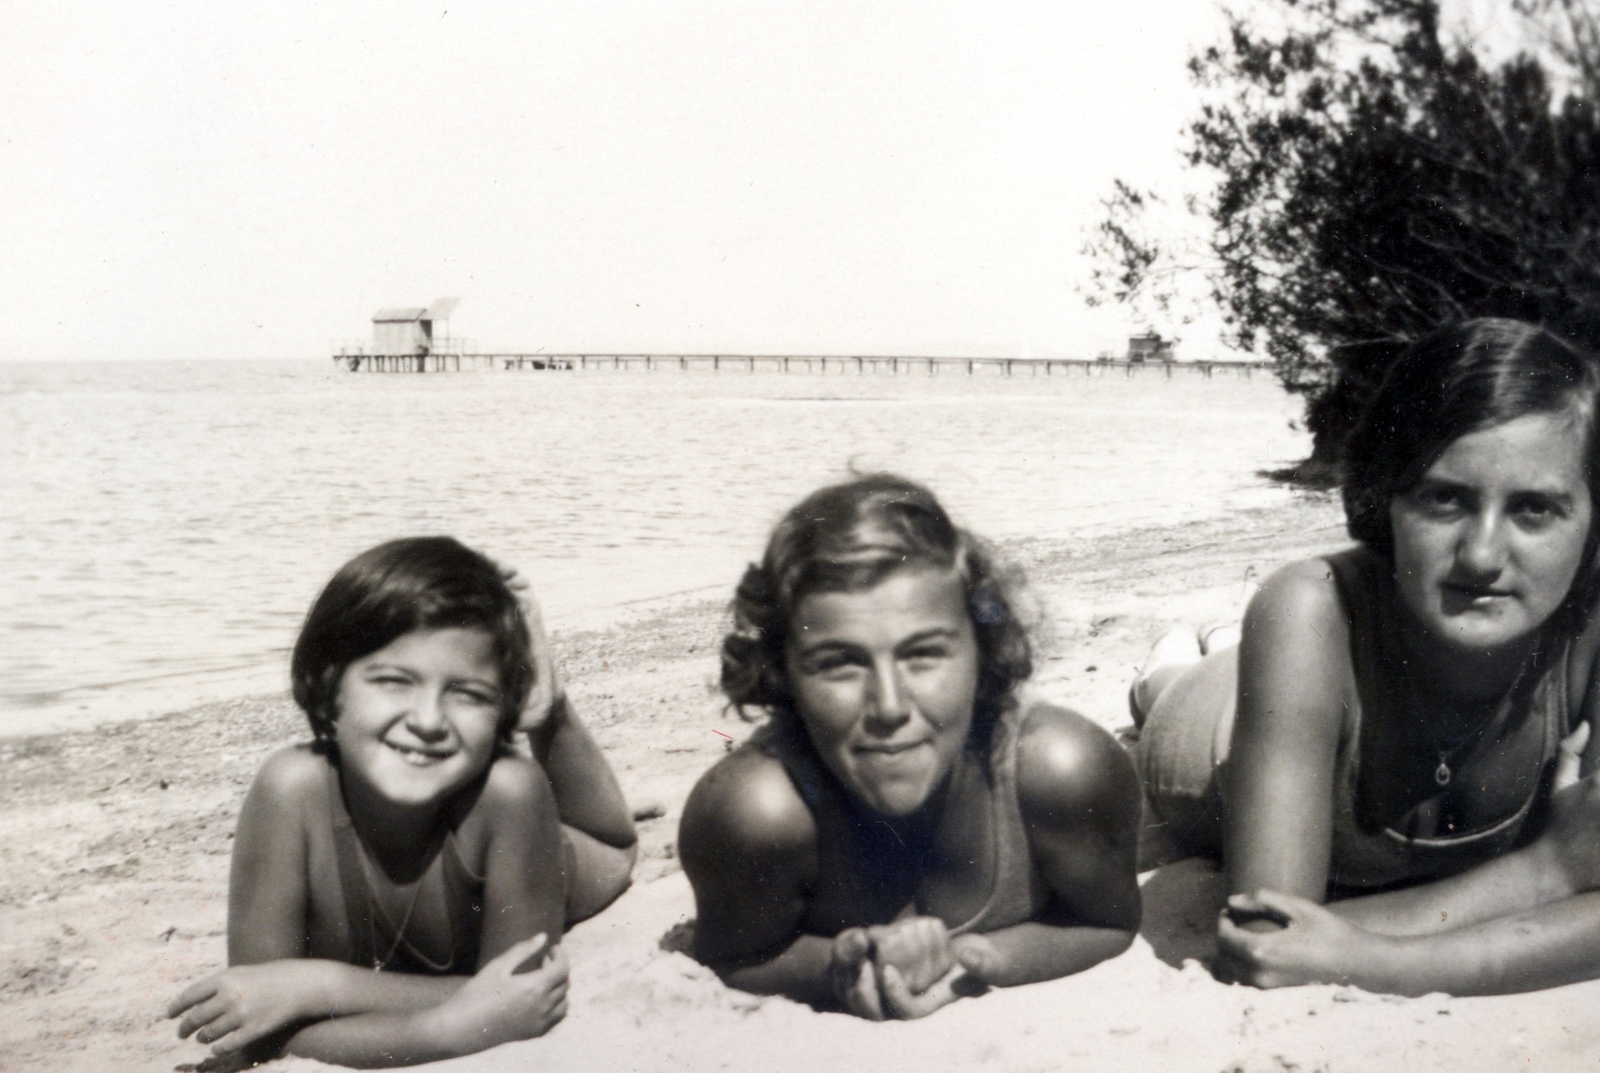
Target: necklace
[
  {"x": 379, "y": 964},
  {"x": 376, "y": 904},
  {"x": 1442, "y": 774},
  {"x": 1447, "y": 752}
]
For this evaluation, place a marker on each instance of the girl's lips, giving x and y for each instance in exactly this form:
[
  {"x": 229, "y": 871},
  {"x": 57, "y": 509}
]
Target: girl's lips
[
  {"x": 419, "y": 756},
  {"x": 889, "y": 748},
  {"x": 1475, "y": 592}
]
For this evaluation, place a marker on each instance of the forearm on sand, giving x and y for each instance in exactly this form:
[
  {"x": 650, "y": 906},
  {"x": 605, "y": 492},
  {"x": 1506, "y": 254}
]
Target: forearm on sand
[
  {"x": 1553, "y": 944},
  {"x": 1032, "y": 951},
  {"x": 1516, "y": 883},
  {"x": 381, "y": 1039},
  {"x": 799, "y": 972},
  {"x": 342, "y": 990}
]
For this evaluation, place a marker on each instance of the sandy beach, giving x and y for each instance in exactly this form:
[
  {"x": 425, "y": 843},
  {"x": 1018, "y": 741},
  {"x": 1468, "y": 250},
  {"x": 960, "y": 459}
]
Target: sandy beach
[{"x": 114, "y": 860}]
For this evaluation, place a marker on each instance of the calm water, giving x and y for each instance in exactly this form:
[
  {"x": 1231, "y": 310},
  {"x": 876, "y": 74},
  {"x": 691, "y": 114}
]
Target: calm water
[{"x": 167, "y": 524}]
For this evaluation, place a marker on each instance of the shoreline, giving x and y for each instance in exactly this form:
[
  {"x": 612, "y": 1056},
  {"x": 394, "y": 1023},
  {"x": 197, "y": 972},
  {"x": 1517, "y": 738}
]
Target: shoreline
[
  {"x": 116, "y": 840},
  {"x": 78, "y": 709}
]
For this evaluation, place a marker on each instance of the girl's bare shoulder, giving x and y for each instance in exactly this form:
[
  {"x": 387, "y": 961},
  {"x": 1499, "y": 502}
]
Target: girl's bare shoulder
[
  {"x": 1298, "y": 602},
  {"x": 291, "y": 789},
  {"x": 295, "y": 772},
  {"x": 1306, "y": 583},
  {"x": 516, "y": 782},
  {"x": 747, "y": 802},
  {"x": 514, "y": 800},
  {"x": 1297, "y": 673},
  {"x": 1069, "y": 766}
]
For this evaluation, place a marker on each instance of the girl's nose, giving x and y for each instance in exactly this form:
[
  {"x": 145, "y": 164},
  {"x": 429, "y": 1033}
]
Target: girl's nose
[
  {"x": 890, "y": 705},
  {"x": 1482, "y": 550},
  {"x": 425, "y": 718}
]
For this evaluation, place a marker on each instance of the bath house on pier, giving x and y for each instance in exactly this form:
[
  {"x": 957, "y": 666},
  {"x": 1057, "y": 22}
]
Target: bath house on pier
[{"x": 405, "y": 339}]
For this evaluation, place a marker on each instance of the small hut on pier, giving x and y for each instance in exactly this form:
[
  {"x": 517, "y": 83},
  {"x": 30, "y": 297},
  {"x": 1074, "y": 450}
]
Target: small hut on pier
[
  {"x": 1150, "y": 347},
  {"x": 409, "y": 330}
]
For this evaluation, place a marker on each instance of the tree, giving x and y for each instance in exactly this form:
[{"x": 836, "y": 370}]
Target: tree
[{"x": 1374, "y": 181}]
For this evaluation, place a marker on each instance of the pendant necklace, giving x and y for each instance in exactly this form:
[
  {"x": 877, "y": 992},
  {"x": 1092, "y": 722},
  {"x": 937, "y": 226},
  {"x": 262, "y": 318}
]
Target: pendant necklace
[
  {"x": 1442, "y": 774},
  {"x": 1447, "y": 753},
  {"x": 379, "y": 964}
]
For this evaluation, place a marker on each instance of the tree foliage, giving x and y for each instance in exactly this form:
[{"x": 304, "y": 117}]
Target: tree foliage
[{"x": 1374, "y": 180}]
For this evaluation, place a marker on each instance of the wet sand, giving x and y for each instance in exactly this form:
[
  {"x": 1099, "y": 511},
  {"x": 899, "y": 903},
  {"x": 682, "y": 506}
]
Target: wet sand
[{"x": 114, "y": 850}]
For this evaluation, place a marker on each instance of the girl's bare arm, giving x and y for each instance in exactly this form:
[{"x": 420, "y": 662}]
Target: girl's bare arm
[
  {"x": 271, "y": 985},
  {"x": 585, "y": 788},
  {"x": 748, "y": 844},
  {"x": 497, "y": 1005},
  {"x": 524, "y": 885},
  {"x": 1521, "y": 922},
  {"x": 1553, "y": 944},
  {"x": 1080, "y": 803},
  {"x": 1294, "y": 680}
]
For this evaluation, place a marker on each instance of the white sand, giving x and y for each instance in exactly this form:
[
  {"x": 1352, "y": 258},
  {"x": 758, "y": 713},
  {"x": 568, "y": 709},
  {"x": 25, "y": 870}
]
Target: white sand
[{"x": 113, "y": 885}]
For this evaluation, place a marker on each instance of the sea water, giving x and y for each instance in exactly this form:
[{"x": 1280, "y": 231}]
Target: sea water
[{"x": 166, "y": 524}]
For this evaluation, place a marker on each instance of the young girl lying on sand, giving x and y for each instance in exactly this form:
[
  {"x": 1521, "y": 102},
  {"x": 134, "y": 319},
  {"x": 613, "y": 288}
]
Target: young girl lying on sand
[
  {"x": 1393, "y": 720},
  {"x": 901, "y": 832},
  {"x": 399, "y": 885}
]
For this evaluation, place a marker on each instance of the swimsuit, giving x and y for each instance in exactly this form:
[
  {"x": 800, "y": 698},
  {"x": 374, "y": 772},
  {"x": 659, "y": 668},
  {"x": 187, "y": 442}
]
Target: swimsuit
[
  {"x": 379, "y": 942},
  {"x": 1369, "y": 854},
  {"x": 1183, "y": 747},
  {"x": 1017, "y": 894}
]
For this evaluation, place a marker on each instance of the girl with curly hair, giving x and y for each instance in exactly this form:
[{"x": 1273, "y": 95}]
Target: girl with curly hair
[{"x": 902, "y": 831}]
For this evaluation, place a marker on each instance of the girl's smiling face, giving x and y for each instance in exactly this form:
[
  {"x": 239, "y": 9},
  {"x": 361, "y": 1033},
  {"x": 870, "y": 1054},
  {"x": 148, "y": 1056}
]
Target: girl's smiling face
[
  {"x": 884, "y": 680},
  {"x": 419, "y": 719},
  {"x": 1489, "y": 541}
]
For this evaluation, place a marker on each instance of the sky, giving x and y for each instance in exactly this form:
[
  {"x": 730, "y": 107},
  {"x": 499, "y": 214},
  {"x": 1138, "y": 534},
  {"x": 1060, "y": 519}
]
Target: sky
[{"x": 201, "y": 180}]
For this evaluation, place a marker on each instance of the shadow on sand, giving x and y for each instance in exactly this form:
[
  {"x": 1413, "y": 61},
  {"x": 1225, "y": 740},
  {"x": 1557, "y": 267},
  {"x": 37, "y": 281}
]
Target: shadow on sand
[{"x": 1181, "y": 904}]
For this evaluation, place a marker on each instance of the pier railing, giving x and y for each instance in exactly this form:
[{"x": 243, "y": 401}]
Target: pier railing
[{"x": 460, "y": 361}]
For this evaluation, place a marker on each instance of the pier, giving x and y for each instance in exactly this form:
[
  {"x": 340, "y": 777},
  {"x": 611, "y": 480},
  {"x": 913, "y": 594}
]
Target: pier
[{"x": 816, "y": 364}]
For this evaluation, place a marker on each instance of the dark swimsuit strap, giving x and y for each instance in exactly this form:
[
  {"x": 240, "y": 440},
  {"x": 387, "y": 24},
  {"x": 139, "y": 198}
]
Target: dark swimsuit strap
[
  {"x": 352, "y": 879},
  {"x": 461, "y": 890}
]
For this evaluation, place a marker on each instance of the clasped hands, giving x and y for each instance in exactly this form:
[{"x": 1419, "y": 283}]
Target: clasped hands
[{"x": 907, "y": 969}]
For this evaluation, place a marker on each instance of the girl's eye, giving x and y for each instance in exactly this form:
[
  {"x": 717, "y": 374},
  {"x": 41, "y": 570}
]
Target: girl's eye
[
  {"x": 475, "y": 695},
  {"x": 1438, "y": 499},
  {"x": 832, "y": 664},
  {"x": 925, "y": 655},
  {"x": 1535, "y": 512}
]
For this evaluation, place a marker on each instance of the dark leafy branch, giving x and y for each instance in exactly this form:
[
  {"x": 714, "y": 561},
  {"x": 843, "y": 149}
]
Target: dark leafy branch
[{"x": 1373, "y": 180}]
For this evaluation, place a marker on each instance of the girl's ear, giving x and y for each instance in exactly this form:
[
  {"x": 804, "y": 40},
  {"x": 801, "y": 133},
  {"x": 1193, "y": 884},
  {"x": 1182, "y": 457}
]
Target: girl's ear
[{"x": 325, "y": 719}]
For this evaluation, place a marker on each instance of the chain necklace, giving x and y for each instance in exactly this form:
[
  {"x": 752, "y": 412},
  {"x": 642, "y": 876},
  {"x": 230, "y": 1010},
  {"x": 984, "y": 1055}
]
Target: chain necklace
[
  {"x": 379, "y": 964},
  {"x": 1447, "y": 753}
]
